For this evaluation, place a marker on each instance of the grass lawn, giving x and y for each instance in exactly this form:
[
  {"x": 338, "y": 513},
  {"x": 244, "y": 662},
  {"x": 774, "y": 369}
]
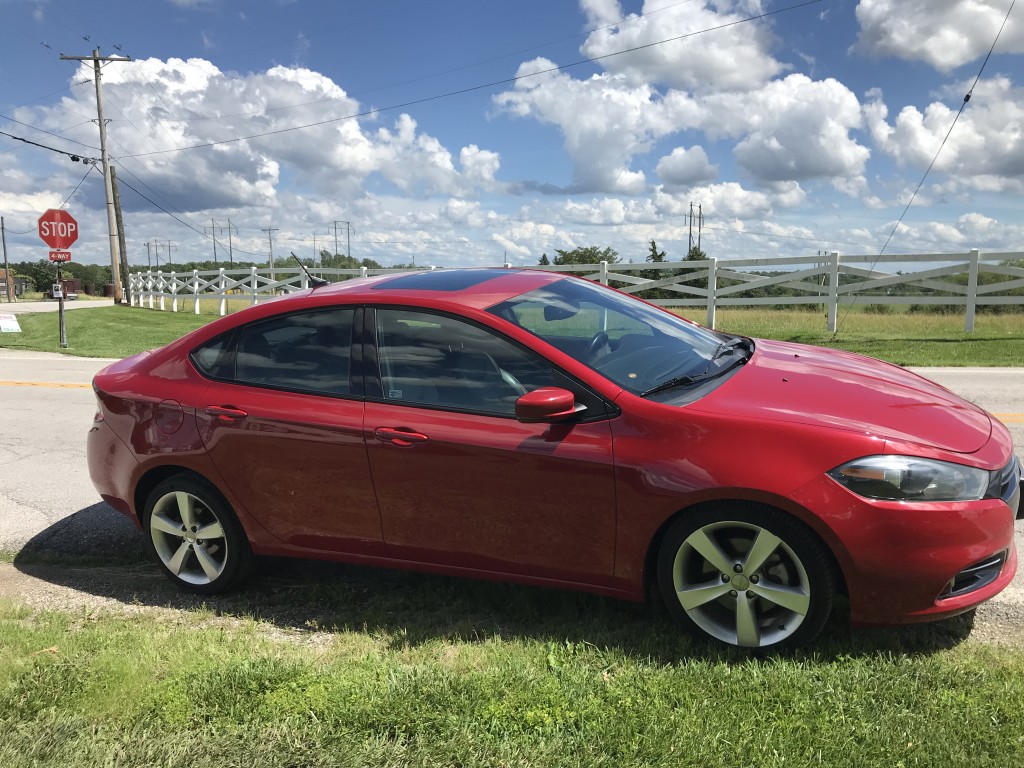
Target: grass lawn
[
  {"x": 407, "y": 670},
  {"x": 102, "y": 331},
  {"x": 905, "y": 339}
]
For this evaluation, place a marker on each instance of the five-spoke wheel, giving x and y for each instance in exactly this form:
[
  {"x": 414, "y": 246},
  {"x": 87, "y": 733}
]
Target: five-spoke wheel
[
  {"x": 746, "y": 575},
  {"x": 195, "y": 536}
]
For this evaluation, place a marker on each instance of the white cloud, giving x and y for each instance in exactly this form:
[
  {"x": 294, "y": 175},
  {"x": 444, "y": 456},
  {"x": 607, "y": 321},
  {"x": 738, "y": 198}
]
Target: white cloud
[
  {"x": 603, "y": 120},
  {"x": 943, "y": 33},
  {"x": 479, "y": 164},
  {"x": 985, "y": 151},
  {"x": 731, "y": 58},
  {"x": 154, "y": 105},
  {"x": 686, "y": 166},
  {"x": 797, "y": 128}
]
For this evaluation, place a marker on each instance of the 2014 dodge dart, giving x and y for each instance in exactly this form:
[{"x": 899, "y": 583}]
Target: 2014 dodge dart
[{"x": 540, "y": 428}]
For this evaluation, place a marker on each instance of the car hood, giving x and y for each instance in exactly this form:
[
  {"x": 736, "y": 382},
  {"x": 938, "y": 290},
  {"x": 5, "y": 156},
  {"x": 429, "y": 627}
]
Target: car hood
[{"x": 825, "y": 387}]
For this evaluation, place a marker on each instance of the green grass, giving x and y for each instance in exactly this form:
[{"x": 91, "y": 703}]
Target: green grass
[
  {"x": 426, "y": 671},
  {"x": 901, "y": 338},
  {"x": 102, "y": 331},
  {"x": 904, "y": 339}
]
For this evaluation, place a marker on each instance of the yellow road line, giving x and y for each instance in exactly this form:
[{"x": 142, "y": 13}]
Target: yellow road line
[
  {"x": 1010, "y": 418},
  {"x": 51, "y": 384}
]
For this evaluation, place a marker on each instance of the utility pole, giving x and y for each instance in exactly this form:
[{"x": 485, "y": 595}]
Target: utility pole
[
  {"x": 270, "y": 237},
  {"x": 214, "y": 226},
  {"x": 115, "y": 270},
  {"x": 170, "y": 245},
  {"x": 149, "y": 258},
  {"x": 8, "y": 277},
  {"x": 122, "y": 245},
  {"x": 231, "y": 251}
]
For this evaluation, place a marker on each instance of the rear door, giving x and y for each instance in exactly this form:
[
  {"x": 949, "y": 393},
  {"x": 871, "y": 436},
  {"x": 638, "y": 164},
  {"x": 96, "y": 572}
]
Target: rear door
[{"x": 283, "y": 425}]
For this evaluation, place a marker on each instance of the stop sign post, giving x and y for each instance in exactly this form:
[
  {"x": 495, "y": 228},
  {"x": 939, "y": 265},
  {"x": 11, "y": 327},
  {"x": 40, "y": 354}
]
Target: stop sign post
[{"x": 59, "y": 230}]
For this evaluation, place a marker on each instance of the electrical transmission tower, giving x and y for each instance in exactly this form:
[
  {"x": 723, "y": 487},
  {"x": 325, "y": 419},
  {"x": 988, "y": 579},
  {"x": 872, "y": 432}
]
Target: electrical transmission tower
[
  {"x": 348, "y": 234},
  {"x": 214, "y": 227}
]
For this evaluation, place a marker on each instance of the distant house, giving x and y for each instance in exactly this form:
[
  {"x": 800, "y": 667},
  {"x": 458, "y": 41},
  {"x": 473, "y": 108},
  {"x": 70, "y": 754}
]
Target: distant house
[{"x": 19, "y": 286}]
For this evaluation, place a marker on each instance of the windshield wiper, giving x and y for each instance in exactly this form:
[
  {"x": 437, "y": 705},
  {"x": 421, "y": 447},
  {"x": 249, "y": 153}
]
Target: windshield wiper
[
  {"x": 678, "y": 381},
  {"x": 682, "y": 381}
]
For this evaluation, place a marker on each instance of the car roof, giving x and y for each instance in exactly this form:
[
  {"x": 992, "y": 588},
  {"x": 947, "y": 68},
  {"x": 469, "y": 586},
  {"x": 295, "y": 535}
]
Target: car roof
[{"x": 476, "y": 288}]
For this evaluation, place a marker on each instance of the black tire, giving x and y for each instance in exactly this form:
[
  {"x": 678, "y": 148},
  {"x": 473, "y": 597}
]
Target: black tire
[
  {"x": 705, "y": 576},
  {"x": 178, "y": 511}
]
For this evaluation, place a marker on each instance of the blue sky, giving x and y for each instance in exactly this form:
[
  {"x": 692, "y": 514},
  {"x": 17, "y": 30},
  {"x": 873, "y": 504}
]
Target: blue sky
[{"x": 801, "y": 131}]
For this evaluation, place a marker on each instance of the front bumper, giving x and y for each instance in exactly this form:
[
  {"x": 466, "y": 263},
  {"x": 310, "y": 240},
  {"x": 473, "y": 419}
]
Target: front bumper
[{"x": 904, "y": 562}]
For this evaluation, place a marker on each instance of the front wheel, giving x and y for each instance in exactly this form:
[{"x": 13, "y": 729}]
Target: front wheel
[
  {"x": 194, "y": 535},
  {"x": 746, "y": 575}
]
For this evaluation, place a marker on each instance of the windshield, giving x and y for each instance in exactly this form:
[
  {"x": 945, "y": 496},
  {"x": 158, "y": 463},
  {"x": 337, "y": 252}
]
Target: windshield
[{"x": 633, "y": 344}]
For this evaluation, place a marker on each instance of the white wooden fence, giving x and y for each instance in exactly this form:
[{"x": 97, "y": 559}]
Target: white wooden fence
[{"x": 815, "y": 279}]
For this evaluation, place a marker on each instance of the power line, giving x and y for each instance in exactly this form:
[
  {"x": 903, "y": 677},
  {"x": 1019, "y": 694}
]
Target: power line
[
  {"x": 74, "y": 157},
  {"x": 483, "y": 86}
]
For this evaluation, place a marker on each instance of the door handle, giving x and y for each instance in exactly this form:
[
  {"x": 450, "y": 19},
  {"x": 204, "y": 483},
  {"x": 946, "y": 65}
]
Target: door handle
[
  {"x": 399, "y": 436},
  {"x": 225, "y": 412}
]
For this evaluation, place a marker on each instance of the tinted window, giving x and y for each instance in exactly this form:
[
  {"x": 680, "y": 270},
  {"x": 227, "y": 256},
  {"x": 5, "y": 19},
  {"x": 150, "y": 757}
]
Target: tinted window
[
  {"x": 631, "y": 343},
  {"x": 213, "y": 358},
  {"x": 441, "y": 280},
  {"x": 436, "y": 360},
  {"x": 305, "y": 351}
]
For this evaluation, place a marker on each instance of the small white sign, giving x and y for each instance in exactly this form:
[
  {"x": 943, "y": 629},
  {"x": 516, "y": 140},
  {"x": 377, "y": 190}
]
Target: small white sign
[{"x": 9, "y": 324}]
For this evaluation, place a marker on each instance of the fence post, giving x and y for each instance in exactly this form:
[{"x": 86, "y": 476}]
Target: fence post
[
  {"x": 833, "y": 292},
  {"x": 174, "y": 291},
  {"x": 222, "y": 289},
  {"x": 161, "y": 286},
  {"x": 603, "y": 273},
  {"x": 712, "y": 290},
  {"x": 362, "y": 271},
  {"x": 195, "y": 290},
  {"x": 253, "y": 278},
  {"x": 972, "y": 289},
  {"x": 149, "y": 287}
]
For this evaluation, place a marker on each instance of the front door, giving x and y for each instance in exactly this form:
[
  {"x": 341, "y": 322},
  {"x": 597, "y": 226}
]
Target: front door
[{"x": 459, "y": 481}]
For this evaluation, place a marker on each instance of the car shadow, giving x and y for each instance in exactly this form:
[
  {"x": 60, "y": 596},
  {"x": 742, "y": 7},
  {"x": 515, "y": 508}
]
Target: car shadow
[{"x": 97, "y": 551}]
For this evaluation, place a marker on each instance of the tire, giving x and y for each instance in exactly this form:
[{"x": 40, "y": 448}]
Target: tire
[
  {"x": 195, "y": 536},
  {"x": 746, "y": 575}
]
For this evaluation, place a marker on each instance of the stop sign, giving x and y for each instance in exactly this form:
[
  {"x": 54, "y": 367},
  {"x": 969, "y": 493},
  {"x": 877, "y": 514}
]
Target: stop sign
[{"x": 58, "y": 229}]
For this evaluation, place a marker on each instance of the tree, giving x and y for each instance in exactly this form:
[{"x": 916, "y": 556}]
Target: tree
[
  {"x": 543, "y": 260},
  {"x": 654, "y": 256},
  {"x": 589, "y": 255},
  {"x": 696, "y": 254}
]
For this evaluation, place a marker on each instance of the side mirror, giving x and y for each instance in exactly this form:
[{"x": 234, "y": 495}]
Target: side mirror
[{"x": 547, "y": 404}]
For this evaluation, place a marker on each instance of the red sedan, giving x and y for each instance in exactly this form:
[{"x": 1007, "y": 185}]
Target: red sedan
[{"x": 540, "y": 428}]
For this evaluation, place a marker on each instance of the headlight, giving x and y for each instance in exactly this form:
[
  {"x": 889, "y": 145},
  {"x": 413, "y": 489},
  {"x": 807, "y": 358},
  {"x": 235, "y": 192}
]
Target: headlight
[{"x": 906, "y": 478}]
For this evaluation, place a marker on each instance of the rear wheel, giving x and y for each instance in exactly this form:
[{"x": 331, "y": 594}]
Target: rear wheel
[
  {"x": 746, "y": 575},
  {"x": 194, "y": 535}
]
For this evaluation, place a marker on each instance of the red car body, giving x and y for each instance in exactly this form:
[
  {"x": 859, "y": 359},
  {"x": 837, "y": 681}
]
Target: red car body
[{"x": 573, "y": 505}]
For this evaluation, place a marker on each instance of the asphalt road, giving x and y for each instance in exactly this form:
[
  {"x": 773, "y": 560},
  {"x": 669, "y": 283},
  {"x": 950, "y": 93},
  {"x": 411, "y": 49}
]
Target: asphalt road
[{"x": 48, "y": 502}]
